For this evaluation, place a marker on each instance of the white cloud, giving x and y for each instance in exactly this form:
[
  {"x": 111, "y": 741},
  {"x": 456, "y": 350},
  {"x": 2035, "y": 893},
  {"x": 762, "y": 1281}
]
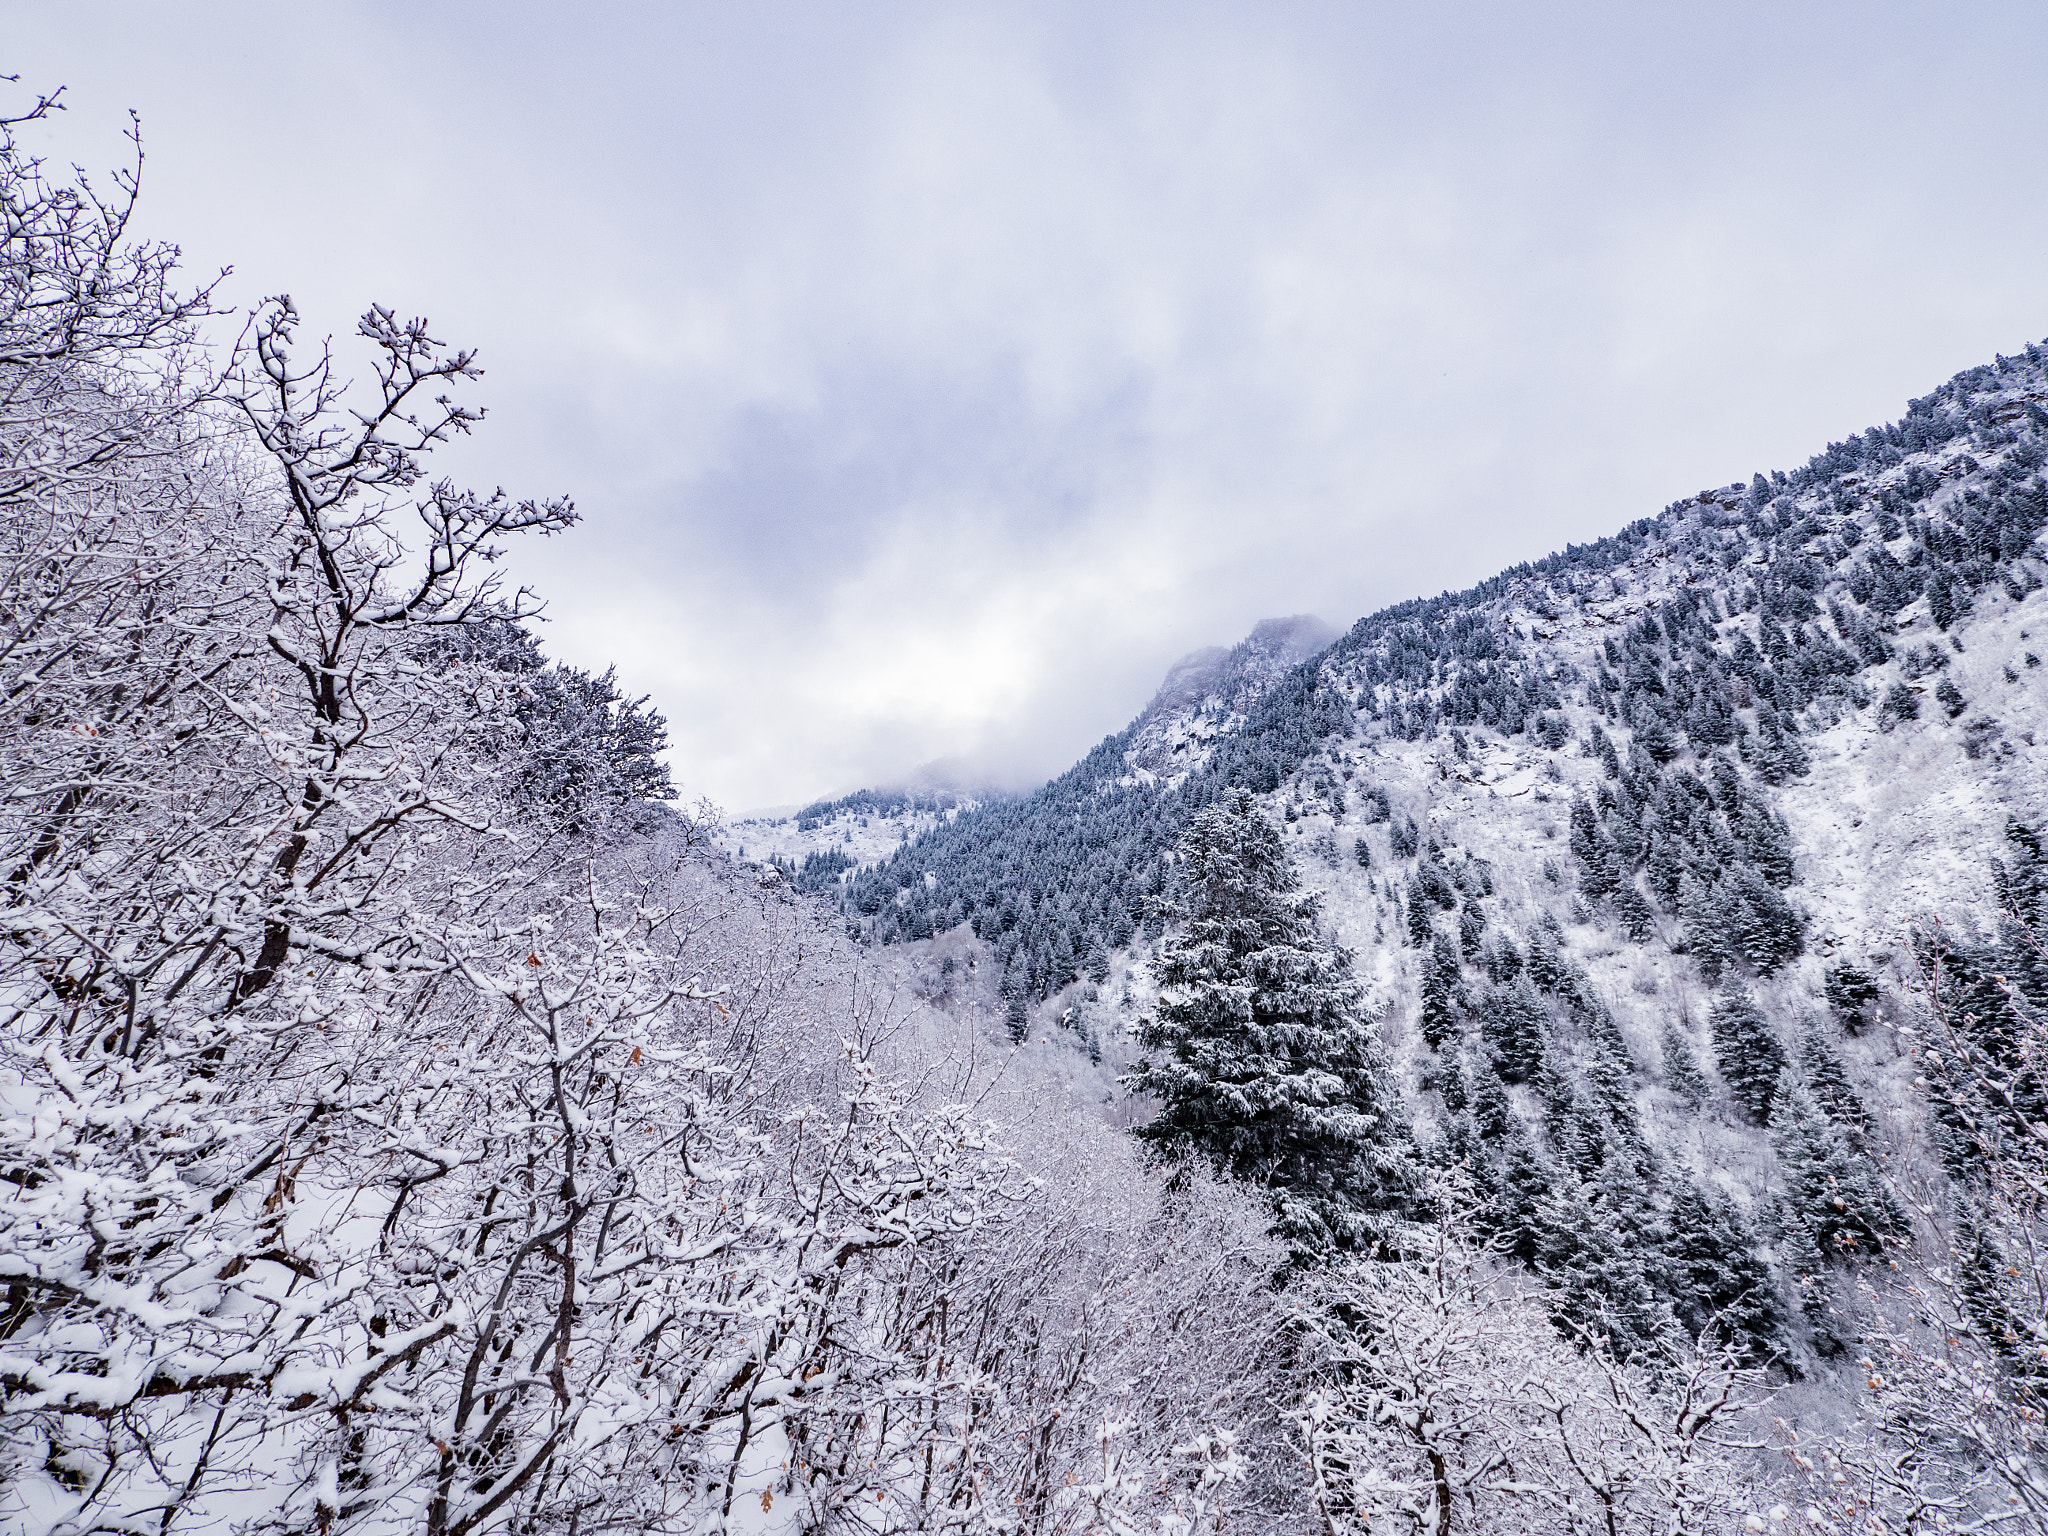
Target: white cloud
[{"x": 931, "y": 376}]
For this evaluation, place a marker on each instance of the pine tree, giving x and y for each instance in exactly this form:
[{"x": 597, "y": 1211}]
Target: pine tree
[
  {"x": 1829, "y": 1189},
  {"x": 1420, "y": 932},
  {"x": 1941, "y": 603},
  {"x": 1995, "y": 1304},
  {"x": 1633, "y": 911},
  {"x": 1602, "y": 747},
  {"x": 1471, "y": 930},
  {"x": 1852, "y": 993},
  {"x": 1821, "y": 1067},
  {"x": 1512, "y": 1025},
  {"x": 1655, "y": 737},
  {"x": 1096, "y": 966},
  {"x": 1761, "y": 923},
  {"x": 1262, "y": 1053},
  {"x": 1404, "y": 837},
  {"x": 1705, "y": 926},
  {"x": 1439, "y": 1019},
  {"x": 1525, "y": 1181},
  {"x": 1454, "y": 1083},
  {"x": 1595, "y": 1263},
  {"x": 1492, "y": 1112},
  {"x": 1682, "y": 1067},
  {"x": 1807, "y": 1269},
  {"x": 1722, "y": 1287},
  {"x": 1751, "y": 1058},
  {"x": 1599, "y": 871}
]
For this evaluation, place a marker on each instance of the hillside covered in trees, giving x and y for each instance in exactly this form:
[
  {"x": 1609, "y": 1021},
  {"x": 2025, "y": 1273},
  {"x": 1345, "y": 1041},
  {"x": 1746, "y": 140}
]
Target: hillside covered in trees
[{"x": 1662, "y": 856}]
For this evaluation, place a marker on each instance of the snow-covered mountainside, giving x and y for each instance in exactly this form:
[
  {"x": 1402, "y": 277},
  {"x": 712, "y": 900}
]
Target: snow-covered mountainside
[
  {"x": 826, "y": 837},
  {"x": 862, "y": 828},
  {"x": 1629, "y": 841},
  {"x": 1208, "y": 693}
]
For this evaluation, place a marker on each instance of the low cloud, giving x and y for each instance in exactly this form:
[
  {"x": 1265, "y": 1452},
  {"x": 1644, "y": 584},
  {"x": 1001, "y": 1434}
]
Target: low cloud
[{"x": 931, "y": 380}]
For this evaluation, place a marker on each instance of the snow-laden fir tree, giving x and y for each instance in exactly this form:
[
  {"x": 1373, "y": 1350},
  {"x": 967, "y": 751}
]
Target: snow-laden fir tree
[
  {"x": 1750, "y": 1056},
  {"x": 1262, "y": 1053},
  {"x": 1836, "y": 1193},
  {"x": 1439, "y": 1019},
  {"x": 1723, "y": 1288},
  {"x": 1682, "y": 1067}
]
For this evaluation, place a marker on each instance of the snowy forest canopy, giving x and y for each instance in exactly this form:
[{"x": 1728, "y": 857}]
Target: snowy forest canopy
[{"x": 411, "y": 1122}]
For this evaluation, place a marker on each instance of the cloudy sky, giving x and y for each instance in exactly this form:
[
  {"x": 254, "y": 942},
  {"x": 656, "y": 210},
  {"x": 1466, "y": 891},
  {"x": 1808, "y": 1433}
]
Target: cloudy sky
[{"x": 931, "y": 376}]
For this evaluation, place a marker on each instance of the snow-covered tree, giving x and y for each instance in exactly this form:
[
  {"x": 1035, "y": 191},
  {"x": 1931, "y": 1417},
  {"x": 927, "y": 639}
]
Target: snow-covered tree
[
  {"x": 383, "y": 1155},
  {"x": 1682, "y": 1065},
  {"x": 1262, "y": 1053},
  {"x": 1445, "y": 1401},
  {"x": 1835, "y": 1192},
  {"x": 1724, "y": 1292},
  {"x": 1747, "y": 1050},
  {"x": 1438, "y": 1018}
]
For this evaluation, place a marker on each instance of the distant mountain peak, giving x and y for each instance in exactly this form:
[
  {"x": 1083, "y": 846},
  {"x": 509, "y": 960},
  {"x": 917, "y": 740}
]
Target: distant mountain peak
[{"x": 1206, "y": 692}]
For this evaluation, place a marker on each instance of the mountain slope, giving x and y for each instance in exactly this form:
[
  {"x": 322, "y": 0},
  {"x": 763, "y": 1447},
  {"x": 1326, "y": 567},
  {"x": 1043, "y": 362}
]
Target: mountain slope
[
  {"x": 1746, "y": 621},
  {"x": 1627, "y": 841}
]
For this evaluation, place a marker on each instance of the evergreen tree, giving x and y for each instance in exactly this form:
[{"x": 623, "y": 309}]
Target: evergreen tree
[
  {"x": 1682, "y": 1067},
  {"x": 1097, "y": 964},
  {"x": 1512, "y": 1026},
  {"x": 1439, "y": 1019},
  {"x": 1829, "y": 1189},
  {"x": 1404, "y": 837},
  {"x": 1492, "y": 1113},
  {"x": 1821, "y": 1067},
  {"x": 1941, "y": 602},
  {"x": 1751, "y": 1058},
  {"x": 1602, "y": 747},
  {"x": 1808, "y": 1272},
  {"x": 1761, "y": 923},
  {"x": 1775, "y": 750},
  {"x": 1420, "y": 931},
  {"x": 1525, "y": 1181},
  {"x": 1262, "y": 1054},
  {"x": 1454, "y": 1083},
  {"x": 1503, "y": 961},
  {"x": 1720, "y": 1284},
  {"x": 1996, "y": 1305},
  {"x": 1705, "y": 926},
  {"x": 1471, "y": 929},
  {"x": 1633, "y": 911},
  {"x": 1586, "y": 1253},
  {"x": 1654, "y": 737},
  {"x": 1852, "y": 993}
]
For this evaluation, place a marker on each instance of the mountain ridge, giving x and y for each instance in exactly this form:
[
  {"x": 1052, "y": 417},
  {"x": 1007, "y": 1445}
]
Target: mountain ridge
[{"x": 1628, "y": 842}]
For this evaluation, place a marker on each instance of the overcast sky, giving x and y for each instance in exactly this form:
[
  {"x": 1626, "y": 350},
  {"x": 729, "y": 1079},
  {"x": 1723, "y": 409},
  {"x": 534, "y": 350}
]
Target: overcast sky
[{"x": 930, "y": 377}]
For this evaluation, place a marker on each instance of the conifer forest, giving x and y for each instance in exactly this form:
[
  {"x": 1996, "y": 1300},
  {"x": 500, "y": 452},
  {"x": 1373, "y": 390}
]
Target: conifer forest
[{"x": 1567, "y": 1057}]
